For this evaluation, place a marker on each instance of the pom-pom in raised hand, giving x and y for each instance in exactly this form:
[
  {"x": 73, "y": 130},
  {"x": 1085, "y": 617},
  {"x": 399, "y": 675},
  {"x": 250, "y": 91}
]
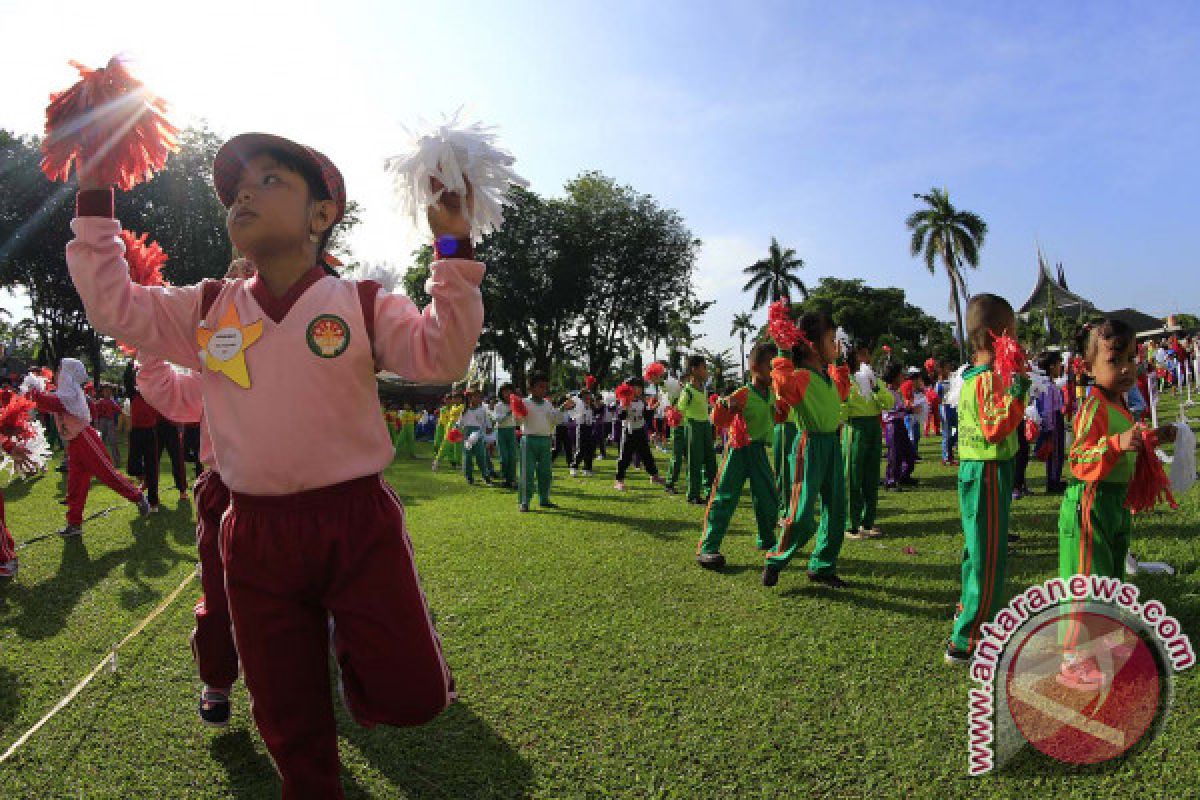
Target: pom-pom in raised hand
[
  {"x": 519, "y": 409},
  {"x": 1010, "y": 357},
  {"x": 450, "y": 158},
  {"x": 654, "y": 372},
  {"x": 110, "y": 126},
  {"x": 782, "y": 327},
  {"x": 624, "y": 394},
  {"x": 146, "y": 260}
]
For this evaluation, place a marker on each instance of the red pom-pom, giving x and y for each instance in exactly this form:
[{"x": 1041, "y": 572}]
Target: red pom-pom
[
  {"x": 520, "y": 411},
  {"x": 14, "y": 417},
  {"x": 590, "y": 382},
  {"x": 887, "y": 348},
  {"x": 1150, "y": 485},
  {"x": 930, "y": 365},
  {"x": 782, "y": 328},
  {"x": 111, "y": 121},
  {"x": 673, "y": 416},
  {"x": 654, "y": 371},
  {"x": 1078, "y": 366},
  {"x": 739, "y": 434},
  {"x": 931, "y": 397},
  {"x": 840, "y": 375},
  {"x": 1010, "y": 358},
  {"x": 713, "y": 398},
  {"x": 145, "y": 259},
  {"x": 46, "y": 373},
  {"x": 454, "y": 436},
  {"x": 624, "y": 394},
  {"x": 1031, "y": 430}
]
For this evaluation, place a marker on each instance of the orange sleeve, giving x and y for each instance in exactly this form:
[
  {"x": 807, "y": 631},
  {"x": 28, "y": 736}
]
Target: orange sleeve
[
  {"x": 722, "y": 416},
  {"x": 1094, "y": 452},
  {"x": 1000, "y": 414}
]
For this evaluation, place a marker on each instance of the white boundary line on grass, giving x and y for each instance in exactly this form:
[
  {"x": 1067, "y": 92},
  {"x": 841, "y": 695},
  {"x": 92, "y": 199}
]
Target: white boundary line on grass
[{"x": 110, "y": 659}]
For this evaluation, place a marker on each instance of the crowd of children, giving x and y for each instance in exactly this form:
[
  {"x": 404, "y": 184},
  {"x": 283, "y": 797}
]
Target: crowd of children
[{"x": 304, "y": 546}]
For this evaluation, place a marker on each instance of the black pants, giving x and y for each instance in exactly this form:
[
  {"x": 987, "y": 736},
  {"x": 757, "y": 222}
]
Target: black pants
[
  {"x": 635, "y": 442},
  {"x": 585, "y": 448},
  {"x": 191, "y": 447},
  {"x": 562, "y": 443},
  {"x": 143, "y": 447},
  {"x": 1022, "y": 458},
  {"x": 170, "y": 440}
]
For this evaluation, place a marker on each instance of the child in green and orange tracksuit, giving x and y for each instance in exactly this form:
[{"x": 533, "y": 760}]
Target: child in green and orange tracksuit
[
  {"x": 755, "y": 403},
  {"x": 1094, "y": 525},
  {"x": 989, "y": 413},
  {"x": 701, "y": 457},
  {"x": 816, "y": 458},
  {"x": 862, "y": 442}
]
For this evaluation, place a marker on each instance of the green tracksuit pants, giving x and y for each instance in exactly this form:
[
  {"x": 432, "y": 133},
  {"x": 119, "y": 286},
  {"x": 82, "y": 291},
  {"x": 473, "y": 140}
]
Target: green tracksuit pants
[
  {"x": 782, "y": 441},
  {"x": 984, "y": 498},
  {"x": 817, "y": 473},
  {"x": 1093, "y": 537},
  {"x": 536, "y": 468},
  {"x": 738, "y": 465},
  {"x": 476, "y": 456},
  {"x": 702, "y": 459},
  {"x": 678, "y": 453},
  {"x": 862, "y": 443},
  {"x": 506, "y": 448},
  {"x": 439, "y": 434}
]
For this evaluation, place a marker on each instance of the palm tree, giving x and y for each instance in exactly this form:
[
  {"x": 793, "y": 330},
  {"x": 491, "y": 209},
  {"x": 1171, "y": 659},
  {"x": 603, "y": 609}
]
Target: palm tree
[
  {"x": 743, "y": 326},
  {"x": 774, "y": 276},
  {"x": 941, "y": 230},
  {"x": 719, "y": 363}
]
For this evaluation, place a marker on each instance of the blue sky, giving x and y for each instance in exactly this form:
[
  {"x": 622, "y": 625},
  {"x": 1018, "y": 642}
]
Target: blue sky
[{"x": 1068, "y": 124}]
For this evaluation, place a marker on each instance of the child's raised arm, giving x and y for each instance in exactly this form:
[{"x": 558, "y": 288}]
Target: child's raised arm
[
  {"x": 177, "y": 397},
  {"x": 434, "y": 344},
  {"x": 154, "y": 319}
]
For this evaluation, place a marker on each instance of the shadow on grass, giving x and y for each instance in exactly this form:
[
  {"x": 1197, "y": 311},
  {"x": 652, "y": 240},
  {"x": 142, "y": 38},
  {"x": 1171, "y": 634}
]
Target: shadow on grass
[
  {"x": 10, "y": 698},
  {"x": 655, "y": 526},
  {"x": 249, "y": 772},
  {"x": 458, "y": 755},
  {"x": 151, "y": 555}
]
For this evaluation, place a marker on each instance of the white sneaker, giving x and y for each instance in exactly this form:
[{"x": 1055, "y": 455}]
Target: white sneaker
[
  {"x": 574, "y": 472},
  {"x": 587, "y": 473},
  {"x": 619, "y": 486}
]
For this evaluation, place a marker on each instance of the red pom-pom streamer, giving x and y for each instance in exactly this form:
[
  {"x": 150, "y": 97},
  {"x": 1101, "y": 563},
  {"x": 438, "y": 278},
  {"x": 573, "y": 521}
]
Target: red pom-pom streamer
[
  {"x": 1150, "y": 485},
  {"x": 931, "y": 397},
  {"x": 713, "y": 398},
  {"x": 146, "y": 260},
  {"x": 590, "y": 383},
  {"x": 654, "y": 371},
  {"x": 1078, "y": 366},
  {"x": 739, "y": 434},
  {"x": 14, "y": 416},
  {"x": 46, "y": 373},
  {"x": 113, "y": 122},
  {"x": 782, "y": 328},
  {"x": 520, "y": 411},
  {"x": 624, "y": 394},
  {"x": 454, "y": 436},
  {"x": 840, "y": 375},
  {"x": 930, "y": 365},
  {"x": 673, "y": 416},
  {"x": 1031, "y": 430},
  {"x": 1010, "y": 358}
]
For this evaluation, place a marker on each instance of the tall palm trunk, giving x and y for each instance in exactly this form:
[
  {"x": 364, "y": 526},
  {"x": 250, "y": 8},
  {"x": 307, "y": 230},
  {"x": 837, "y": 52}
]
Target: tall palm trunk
[
  {"x": 743, "y": 350},
  {"x": 956, "y": 296}
]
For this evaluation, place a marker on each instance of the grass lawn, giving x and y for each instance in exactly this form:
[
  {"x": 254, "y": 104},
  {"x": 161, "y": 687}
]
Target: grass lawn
[{"x": 593, "y": 657}]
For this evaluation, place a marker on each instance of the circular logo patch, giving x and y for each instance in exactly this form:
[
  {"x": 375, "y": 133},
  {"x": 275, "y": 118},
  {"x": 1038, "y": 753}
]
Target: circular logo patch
[
  {"x": 328, "y": 336},
  {"x": 1096, "y": 713}
]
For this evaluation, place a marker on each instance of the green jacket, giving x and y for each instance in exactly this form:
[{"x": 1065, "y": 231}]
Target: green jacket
[{"x": 692, "y": 403}]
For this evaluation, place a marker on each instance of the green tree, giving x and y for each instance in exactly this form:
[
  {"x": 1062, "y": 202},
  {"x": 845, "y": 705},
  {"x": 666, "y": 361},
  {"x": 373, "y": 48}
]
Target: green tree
[
  {"x": 743, "y": 326},
  {"x": 941, "y": 231},
  {"x": 775, "y": 276}
]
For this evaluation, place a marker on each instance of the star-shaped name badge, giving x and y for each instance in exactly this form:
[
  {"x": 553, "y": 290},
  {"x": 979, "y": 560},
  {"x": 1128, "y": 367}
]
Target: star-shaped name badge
[{"x": 224, "y": 350}]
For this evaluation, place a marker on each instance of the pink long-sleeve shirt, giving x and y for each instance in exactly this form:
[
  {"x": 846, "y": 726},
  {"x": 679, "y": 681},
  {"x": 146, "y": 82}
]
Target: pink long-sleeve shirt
[
  {"x": 177, "y": 396},
  {"x": 310, "y": 416}
]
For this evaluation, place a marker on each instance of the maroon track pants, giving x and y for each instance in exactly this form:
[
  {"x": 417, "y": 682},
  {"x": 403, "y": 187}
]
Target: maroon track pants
[
  {"x": 88, "y": 459},
  {"x": 212, "y": 640},
  {"x": 292, "y": 563},
  {"x": 8, "y": 548}
]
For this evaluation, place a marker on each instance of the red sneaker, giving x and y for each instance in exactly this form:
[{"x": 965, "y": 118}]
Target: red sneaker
[{"x": 1081, "y": 675}]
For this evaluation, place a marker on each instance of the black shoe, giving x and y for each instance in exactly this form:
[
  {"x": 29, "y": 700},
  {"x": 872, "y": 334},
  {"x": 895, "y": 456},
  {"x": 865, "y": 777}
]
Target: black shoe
[
  {"x": 695, "y": 501},
  {"x": 959, "y": 658},
  {"x": 548, "y": 504},
  {"x": 831, "y": 580},
  {"x": 214, "y": 708},
  {"x": 770, "y": 575},
  {"x": 523, "y": 507},
  {"x": 1013, "y": 537},
  {"x": 909, "y": 482},
  {"x": 711, "y": 560}
]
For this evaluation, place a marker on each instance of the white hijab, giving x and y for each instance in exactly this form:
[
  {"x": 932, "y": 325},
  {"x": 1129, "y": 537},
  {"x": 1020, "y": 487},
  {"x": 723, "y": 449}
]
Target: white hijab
[{"x": 72, "y": 375}]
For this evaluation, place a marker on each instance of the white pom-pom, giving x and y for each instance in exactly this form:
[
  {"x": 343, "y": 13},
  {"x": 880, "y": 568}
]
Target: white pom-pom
[
  {"x": 38, "y": 447},
  {"x": 385, "y": 275},
  {"x": 32, "y": 382},
  {"x": 1183, "y": 465},
  {"x": 456, "y": 153}
]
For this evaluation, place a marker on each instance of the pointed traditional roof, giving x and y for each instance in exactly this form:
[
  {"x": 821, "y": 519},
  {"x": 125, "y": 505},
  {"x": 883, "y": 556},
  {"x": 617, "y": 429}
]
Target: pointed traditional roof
[{"x": 1050, "y": 292}]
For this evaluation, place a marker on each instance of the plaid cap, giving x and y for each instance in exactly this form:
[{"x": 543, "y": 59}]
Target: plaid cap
[{"x": 233, "y": 155}]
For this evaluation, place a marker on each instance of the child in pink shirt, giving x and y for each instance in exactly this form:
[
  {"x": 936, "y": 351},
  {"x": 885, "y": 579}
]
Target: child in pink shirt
[{"x": 286, "y": 362}]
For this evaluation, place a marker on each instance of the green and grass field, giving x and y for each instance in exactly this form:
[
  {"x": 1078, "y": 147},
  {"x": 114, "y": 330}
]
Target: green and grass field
[{"x": 593, "y": 657}]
